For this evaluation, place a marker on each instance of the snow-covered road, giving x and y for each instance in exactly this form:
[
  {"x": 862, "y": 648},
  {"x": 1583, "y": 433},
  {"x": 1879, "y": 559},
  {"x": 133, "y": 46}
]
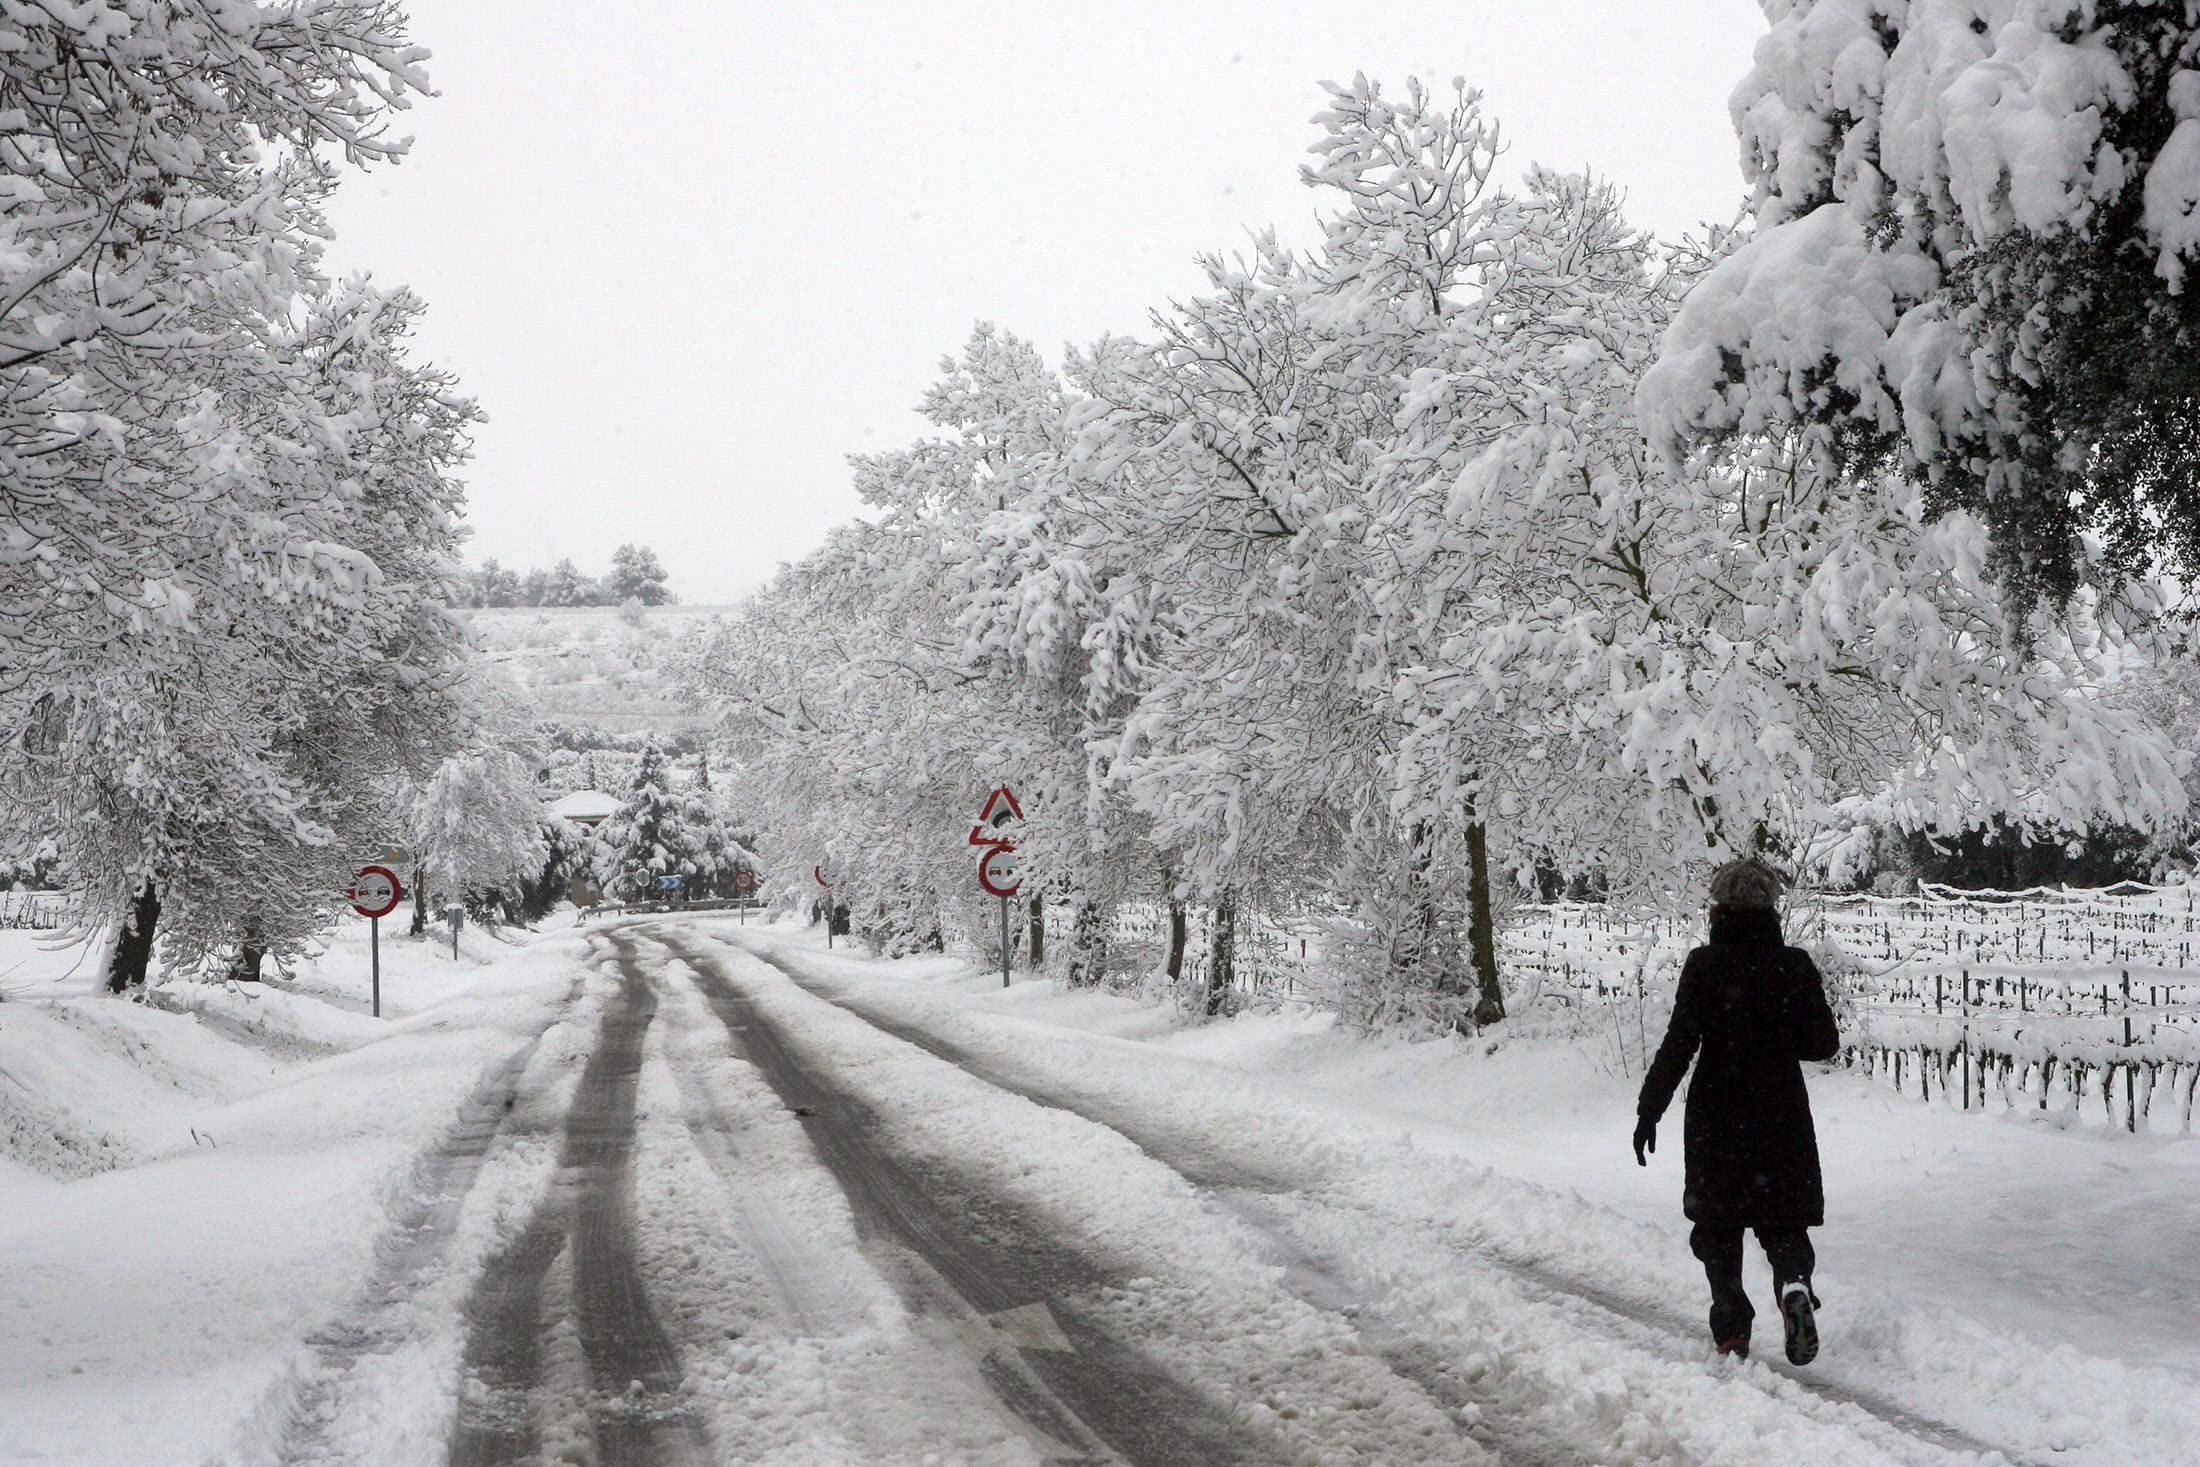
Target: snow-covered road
[
  {"x": 1331, "y": 1328},
  {"x": 713, "y": 1194}
]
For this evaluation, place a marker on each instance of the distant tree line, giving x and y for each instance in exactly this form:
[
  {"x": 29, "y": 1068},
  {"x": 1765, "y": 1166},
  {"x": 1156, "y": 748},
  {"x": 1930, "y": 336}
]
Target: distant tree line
[
  {"x": 635, "y": 575},
  {"x": 582, "y": 738}
]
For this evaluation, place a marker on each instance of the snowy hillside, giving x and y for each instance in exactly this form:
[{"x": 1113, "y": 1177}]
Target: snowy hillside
[{"x": 591, "y": 664}]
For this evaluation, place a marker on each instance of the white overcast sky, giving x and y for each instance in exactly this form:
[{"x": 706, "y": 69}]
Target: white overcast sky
[{"x": 691, "y": 255}]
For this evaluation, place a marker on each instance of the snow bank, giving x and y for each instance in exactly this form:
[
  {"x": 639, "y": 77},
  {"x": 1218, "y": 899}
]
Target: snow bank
[{"x": 228, "y": 1169}]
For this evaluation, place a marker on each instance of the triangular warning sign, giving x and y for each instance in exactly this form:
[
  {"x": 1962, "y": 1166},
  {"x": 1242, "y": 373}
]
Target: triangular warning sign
[{"x": 1000, "y": 807}]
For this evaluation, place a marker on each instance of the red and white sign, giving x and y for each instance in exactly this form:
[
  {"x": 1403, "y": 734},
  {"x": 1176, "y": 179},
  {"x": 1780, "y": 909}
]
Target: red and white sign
[
  {"x": 744, "y": 880},
  {"x": 819, "y": 873},
  {"x": 999, "y": 872},
  {"x": 375, "y": 891}
]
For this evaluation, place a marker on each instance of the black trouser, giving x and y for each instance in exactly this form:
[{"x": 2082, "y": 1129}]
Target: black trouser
[{"x": 1788, "y": 1250}]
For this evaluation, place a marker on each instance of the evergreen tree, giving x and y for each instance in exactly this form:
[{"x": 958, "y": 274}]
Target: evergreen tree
[
  {"x": 636, "y": 575},
  {"x": 564, "y": 857},
  {"x": 653, "y": 835},
  {"x": 495, "y": 585},
  {"x": 566, "y": 586}
]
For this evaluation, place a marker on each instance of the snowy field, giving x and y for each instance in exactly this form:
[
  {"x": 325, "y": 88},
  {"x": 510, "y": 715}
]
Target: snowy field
[
  {"x": 592, "y": 664},
  {"x": 244, "y": 1226}
]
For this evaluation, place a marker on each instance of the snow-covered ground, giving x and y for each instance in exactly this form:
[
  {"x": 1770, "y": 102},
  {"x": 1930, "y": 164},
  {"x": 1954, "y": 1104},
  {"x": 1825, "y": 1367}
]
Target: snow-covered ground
[
  {"x": 2019, "y": 1280},
  {"x": 186, "y": 1199},
  {"x": 248, "y": 1230}
]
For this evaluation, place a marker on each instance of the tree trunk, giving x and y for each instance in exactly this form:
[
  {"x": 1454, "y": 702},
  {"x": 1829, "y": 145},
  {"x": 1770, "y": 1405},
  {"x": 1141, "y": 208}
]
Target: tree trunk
[
  {"x": 1088, "y": 943},
  {"x": 1221, "y": 954},
  {"x": 245, "y": 966},
  {"x": 1178, "y": 926},
  {"x": 1419, "y": 962},
  {"x": 420, "y": 900},
  {"x": 134, "y": 944},
  {"x": 1489, "y": 1001},
  {"x": 1038, "y": 932}
]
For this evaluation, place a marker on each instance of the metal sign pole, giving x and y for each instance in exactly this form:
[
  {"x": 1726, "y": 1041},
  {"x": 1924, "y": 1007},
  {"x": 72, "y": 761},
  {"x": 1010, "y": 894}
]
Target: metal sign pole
[
  {"x": 375, "y": 893},
  {"x": 1004, "y": 942}
]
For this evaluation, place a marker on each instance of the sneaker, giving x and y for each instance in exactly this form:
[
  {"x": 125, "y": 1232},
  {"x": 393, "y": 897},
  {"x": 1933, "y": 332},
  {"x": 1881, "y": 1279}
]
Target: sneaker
[
  {"x": 1739, "y": 1349},
  {"x": 1802, "y": 1324}
]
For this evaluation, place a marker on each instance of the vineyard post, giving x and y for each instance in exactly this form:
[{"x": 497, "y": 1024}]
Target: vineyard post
[
  {"x": 2131, "y": 1099},
  {"x": 1963, "y": 1010}
]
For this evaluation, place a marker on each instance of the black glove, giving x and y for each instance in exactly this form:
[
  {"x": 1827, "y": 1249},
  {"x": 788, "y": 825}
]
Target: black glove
[{"x": 1646, "y": 1139}]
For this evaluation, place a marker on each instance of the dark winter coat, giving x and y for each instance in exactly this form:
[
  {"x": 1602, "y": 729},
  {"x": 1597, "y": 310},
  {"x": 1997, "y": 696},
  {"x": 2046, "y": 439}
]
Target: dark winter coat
[{"x": 1748, "y": 1009}]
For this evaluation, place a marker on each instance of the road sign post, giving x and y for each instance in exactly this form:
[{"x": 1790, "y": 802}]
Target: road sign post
[
  {"x": 375, "y": 893},
  {"x": 998, "y": 872},
  {"x": 818, "y": 871}
]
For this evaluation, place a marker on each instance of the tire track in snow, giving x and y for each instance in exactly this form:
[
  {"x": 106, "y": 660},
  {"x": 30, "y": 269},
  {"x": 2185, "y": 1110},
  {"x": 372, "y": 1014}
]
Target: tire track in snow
[
  {"x": 406, "y": 1254},
  {"x": 1248, "y": 1195},
  {"x": 1312, "y": 1281},
  {"x": 636, "y": 1408},
  {"x": 808, "y": 1283},
  {"x": 970, "y": 1263}
]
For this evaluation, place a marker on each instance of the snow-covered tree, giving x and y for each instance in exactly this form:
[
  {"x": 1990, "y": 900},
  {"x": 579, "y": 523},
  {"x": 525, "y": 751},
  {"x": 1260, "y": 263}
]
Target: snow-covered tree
[
  {"x": 651, "y": 836},
  {"x": 636, "y": 575},
  {"x": 228, "y": 764},
  {"x": 1975, "y": 222},
  {"x": 846, "y": 736},
  {"x": 1247, "y": 457},
  {"x": 1681, "y": 661},
  {"x": 225, "y": 516},
  {"x": 564, "y": 585},
  {"x": 496, "y": 585},
  {"x": 1362, "y": 578},
  {"x": 477, "y": 824}
]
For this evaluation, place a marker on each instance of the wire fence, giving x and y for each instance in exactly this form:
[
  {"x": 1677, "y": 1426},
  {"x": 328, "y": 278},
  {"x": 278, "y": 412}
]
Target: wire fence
[
  {"x": 2047, "y": 997},
  {"x": 37, "y": 911}
]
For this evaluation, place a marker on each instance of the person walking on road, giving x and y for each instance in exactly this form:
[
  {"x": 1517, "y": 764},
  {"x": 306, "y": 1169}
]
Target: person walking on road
[{"x": 1749, "y": 1009}]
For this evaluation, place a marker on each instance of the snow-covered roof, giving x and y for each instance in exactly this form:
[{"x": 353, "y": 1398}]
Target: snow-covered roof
[{"x": 586, "y": 806}]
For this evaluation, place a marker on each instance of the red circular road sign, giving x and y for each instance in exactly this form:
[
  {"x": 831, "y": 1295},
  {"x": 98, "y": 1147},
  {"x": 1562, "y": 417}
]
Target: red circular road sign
[
  {"x": 375, "y": 891},
  {"x": 819, "y": 873},
  {"x": 1000, "y": 872},
  {"x": 744, "y": 880}
]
